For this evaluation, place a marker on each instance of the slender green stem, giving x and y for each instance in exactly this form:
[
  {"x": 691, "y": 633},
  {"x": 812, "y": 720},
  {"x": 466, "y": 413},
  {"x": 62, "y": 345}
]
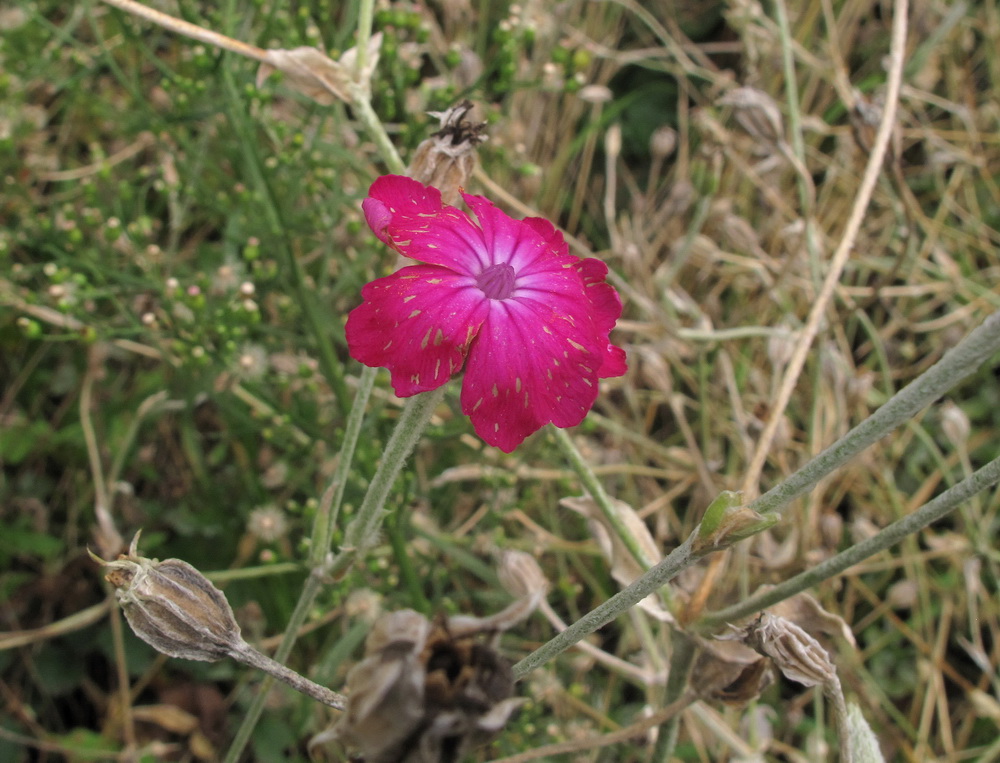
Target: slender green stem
[
  {"x": 955, "y": 366},
  {"x": 366, "y": 13},
  {"x": 607, "y": 506},
  {"x": 681, "y": 661},
  {"x": 329, "y": 510},
  {"x": 678, "y": 559},
  {"x": 325, "y": 522},
  {"x": 363, "y": 529},
  {"x": 930, "y": 512},
  {"x": 367, "y": 116}
]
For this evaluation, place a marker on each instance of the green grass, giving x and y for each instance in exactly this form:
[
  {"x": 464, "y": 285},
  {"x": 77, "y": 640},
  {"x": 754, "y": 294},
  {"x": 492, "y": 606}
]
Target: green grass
[{"x": 179, "y": 249}]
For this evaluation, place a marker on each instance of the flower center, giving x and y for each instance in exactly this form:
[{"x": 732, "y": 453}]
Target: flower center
[{"x": 497, "y": 281}]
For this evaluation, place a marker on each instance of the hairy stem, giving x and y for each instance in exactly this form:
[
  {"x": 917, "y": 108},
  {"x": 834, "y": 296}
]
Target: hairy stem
[
  {"x": 250, "y": 656},
  {"x": 956, "y": 365},
  {"x": 593, "y": 486},
  {"x": 930, "y": 512}
]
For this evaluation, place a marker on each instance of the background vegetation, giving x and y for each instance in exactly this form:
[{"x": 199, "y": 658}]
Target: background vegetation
[{"x": 179, "y": 249}]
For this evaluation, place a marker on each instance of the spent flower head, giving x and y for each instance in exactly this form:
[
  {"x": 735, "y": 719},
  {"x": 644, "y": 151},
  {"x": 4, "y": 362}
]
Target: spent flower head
[
  {"x": 429, "y": 691},
  {"x": 502, "y": 298}
]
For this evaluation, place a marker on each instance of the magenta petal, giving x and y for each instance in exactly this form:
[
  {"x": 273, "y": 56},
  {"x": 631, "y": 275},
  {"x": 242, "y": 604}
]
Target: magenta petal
[
  {"x": 508, "y": 240},
  {"x": 447, "y": 238},
  {"x": 391, "y": 195},
  {"x": 552, "y": 237},
  {"x": 404, "y": 195},
  {"x": 606, "y": 308},
  {"x": 418, "y": 323},
  {"x": 530, "y": 365},
  {"x": 378, "y": 216}
]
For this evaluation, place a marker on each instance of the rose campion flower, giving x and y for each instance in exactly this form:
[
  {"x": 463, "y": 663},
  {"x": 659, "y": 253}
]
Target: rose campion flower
[{"x": 502, "y": 298}]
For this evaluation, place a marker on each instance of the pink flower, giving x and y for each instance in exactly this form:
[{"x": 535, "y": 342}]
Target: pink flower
[{"x": 502, "y": 297}]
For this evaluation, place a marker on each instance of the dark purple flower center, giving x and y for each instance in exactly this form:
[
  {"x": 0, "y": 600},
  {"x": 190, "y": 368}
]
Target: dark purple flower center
[{"x": 497, "y": 281}]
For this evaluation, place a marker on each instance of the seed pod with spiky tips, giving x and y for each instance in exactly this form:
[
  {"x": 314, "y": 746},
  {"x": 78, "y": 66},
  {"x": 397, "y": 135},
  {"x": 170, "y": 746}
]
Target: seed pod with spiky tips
[{"x": 173, "y": 607}]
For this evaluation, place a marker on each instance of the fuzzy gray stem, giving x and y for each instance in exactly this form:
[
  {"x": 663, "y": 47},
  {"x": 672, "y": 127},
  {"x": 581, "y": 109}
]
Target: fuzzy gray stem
[
  {"x": 957, "y": 364},
  {"x": 250, "y": 656},
  {"x": 930, "y": 512}
]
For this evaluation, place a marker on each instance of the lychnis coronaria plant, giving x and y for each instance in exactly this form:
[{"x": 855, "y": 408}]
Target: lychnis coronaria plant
[{"x": 502, "y": 298}]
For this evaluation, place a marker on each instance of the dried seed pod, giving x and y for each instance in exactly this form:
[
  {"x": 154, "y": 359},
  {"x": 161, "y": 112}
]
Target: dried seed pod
[
  {"x": 426, "y": 692},
  {"x": 173, "y": 607},
  {"x": 797, "y": 655},
  {"x": 520, "y": 574},
  {"x": 446, "y": 159},
  {"x": 757, "y": 113}
]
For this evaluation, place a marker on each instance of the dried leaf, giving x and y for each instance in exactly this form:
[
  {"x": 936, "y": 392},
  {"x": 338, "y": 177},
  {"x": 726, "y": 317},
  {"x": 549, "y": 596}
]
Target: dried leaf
[
  {"x": 314, "y": 74},
  {"x": 428, "y": 692},
  {"x": 730, "y": 672},
  {"x": 803, "y": 610},
  {"x": 624, "y": 567}
]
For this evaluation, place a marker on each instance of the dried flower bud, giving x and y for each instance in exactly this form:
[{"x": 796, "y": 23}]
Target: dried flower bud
[
  {"x": 756, "y": 112},
  {"x": 663, "y": 141},
  {"x": 446, "y": 159},
  {"x": 173, "y": 607},
  {"x": 955, "y": 424},
  {"x": 520, "y": 574},
  {"x": 797, "y": 655},
  {"x": 865, "y": 116},
  {"x": 424, "y": 692}
]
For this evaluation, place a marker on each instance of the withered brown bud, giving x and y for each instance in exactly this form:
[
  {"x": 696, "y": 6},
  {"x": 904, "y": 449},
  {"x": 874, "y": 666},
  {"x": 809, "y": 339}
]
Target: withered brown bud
[
  {"x": 176, "y": 610},
  {"x": 797, "y": 655},
  {"x": 173, "y": 607},
  {"x": 446, "y": 159},
  {"x": 756, "y": 112},
  {"x": 521, "y": 575},
  {"x": 426, "y": 692}
]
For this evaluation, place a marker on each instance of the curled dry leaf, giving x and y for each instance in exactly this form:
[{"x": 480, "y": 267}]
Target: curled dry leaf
[
  {"x": 427, "y": 692},
  {"x": 314, "y": 74},
  {"x": 803, "y": 610},
  {"x": 729, "y": 672},
  {"x": 624, "y": 567}
]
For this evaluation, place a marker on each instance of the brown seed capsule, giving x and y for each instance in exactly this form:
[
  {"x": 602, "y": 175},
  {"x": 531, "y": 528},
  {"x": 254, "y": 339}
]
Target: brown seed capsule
[
  {"x": 446, "y": 159},
  {"x": 426, "y": 692},
  {"x": 173, "y": 607},
  {"x": 757, "y": 112}
]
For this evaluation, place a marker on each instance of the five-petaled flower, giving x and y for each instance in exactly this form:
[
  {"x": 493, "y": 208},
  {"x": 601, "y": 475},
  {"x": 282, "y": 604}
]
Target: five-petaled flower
[{"x": 504, "y": 298}]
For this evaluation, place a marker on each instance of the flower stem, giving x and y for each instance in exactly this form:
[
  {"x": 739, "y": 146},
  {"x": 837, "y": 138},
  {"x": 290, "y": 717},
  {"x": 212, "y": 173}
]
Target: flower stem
[
  {"x": 930, "y": 512},
  {"x": 956, "y": 365},
  {"x": 373, "y": 125},
  {"x": 607, "y": 506},
  {"x": 363, "y": 529},
  {"x": 681, "y": 662},
  {"x": 679, "y": 559},
  {"x": 250, "y": 656},
  {"x": 329, "y": 508}
]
